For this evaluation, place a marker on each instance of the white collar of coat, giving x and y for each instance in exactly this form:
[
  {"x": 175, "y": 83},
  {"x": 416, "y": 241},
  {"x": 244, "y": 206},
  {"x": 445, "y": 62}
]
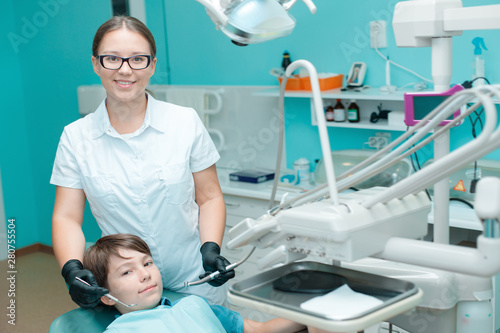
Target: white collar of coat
[{"x": 103, "y": 125}]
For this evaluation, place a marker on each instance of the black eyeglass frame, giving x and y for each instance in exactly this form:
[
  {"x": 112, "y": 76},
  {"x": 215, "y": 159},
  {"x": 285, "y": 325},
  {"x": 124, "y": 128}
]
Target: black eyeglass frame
[{"x": 101, "y": 57}]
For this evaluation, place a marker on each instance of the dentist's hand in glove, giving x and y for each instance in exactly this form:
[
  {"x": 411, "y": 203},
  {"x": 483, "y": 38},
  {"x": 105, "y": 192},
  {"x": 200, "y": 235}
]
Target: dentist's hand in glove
[
  {"x": 213, "y": 261},
  {"x": 85, "y": 296}
]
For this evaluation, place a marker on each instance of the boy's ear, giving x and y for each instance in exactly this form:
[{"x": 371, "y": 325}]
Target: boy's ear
[{"x": 107, "y": 301}]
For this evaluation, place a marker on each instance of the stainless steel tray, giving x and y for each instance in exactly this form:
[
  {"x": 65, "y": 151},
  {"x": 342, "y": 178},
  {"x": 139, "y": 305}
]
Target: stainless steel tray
[{"x": 260, "y": 288}]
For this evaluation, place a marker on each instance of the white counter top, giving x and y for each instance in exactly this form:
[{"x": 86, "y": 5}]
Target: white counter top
[{"x": 257, "y": 191}]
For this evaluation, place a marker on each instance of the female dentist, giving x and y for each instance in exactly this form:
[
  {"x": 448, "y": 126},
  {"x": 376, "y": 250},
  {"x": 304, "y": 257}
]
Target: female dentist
[{"x": 146, "y": 167}]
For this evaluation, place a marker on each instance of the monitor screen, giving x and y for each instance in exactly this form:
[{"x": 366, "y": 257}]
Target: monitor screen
[
  {"x": 423, "y": 105},
  {"x": 420, "y": 104}
]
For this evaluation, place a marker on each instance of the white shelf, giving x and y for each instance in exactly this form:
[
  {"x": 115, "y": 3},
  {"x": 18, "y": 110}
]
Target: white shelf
[
  {"x": 363, "y": 124},
  {"x": 368, "y": 94},
  {"x": 365, "y": 94}
]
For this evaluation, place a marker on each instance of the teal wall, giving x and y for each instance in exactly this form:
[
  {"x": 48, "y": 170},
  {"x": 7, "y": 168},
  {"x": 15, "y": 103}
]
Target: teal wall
[
  {"x": 332, "y": 39},
  {"x": 49, "y": 43},
  {"x": 52, "y": 57},
  {"x": 16, "y": 160}
]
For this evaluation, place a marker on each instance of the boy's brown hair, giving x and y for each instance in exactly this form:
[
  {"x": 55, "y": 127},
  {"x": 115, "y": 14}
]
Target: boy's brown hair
[{"x": 96, "y": 258}]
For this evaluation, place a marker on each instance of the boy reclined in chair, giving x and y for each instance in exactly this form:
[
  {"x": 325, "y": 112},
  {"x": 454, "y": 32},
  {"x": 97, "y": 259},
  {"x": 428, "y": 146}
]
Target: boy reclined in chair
[{"x": 123, "y": 264}]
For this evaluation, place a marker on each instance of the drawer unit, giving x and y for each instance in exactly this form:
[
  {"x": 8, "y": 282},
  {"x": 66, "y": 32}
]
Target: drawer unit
[{"x": 238, "y": 208}]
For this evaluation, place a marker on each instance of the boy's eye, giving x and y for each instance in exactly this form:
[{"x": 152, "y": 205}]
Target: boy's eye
[
  {"x": 149, "y": 263},
  {"x": 126, "y": 272}
]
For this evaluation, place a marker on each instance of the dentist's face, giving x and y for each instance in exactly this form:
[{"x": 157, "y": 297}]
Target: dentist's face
[
  {"x": 133, "y": 279},
  {"x": 124, "y": 84}
]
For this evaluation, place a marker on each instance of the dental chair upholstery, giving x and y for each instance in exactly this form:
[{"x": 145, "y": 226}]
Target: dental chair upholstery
[{"x": 92, "y": 320}]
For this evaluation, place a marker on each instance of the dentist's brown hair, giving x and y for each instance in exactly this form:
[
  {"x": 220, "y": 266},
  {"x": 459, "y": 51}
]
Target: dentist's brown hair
[{"x": 127, "y": 22}]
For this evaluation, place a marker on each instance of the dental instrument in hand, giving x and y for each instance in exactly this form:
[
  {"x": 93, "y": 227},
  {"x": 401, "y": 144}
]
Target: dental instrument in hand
[
  {"x": 108, "y": 295},
  {"x": 215, "y": 274}
]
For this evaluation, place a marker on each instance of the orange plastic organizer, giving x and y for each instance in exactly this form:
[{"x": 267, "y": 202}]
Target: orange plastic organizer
[
  {"x": 303, "y": 83},
  {"x": 293, "y": 83}
]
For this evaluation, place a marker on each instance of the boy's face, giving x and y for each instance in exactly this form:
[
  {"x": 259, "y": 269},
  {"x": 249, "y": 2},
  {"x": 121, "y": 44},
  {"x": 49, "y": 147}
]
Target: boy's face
[{"x": 135, "y": 280}]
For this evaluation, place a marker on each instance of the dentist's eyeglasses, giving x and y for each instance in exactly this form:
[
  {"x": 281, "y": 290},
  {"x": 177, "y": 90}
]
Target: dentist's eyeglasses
[{"x": 115, "y": 62}]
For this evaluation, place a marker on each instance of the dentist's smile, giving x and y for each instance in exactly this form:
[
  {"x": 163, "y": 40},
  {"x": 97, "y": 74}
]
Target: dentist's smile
[{"x": 124, "y": 84}]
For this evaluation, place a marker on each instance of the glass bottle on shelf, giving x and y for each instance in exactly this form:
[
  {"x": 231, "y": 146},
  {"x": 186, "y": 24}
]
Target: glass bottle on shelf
[
  {"x": 339, "y": 113},
  {"x": 353, "y": 112},
  {"x": 329, "y": 113}
]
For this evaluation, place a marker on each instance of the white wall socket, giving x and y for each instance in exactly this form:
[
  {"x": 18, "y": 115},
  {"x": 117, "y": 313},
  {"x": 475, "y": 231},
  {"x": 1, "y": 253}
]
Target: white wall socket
[{"x": 378, "y": 34}]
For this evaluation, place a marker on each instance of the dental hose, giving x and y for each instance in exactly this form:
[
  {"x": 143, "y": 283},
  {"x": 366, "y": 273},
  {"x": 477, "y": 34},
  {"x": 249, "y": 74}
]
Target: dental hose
[
  {"x": 215, "y": 274},
  {"x": 370, "y": 168},
  {"x": 281, "y": 107}
]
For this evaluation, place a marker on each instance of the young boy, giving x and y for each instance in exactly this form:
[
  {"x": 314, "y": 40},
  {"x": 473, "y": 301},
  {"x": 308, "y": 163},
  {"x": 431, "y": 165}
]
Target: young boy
[{"x": 123, "y": 264}]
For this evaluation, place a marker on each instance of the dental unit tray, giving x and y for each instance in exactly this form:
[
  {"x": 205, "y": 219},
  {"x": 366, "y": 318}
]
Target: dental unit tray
[{"x": 262, "y": 292}]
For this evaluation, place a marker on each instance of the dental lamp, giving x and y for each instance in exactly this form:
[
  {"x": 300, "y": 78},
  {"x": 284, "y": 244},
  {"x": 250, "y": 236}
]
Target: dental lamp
[{"x": 253, "y": 21}]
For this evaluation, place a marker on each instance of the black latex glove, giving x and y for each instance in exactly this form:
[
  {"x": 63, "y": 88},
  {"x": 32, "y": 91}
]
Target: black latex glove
[
  {"x": 213, "y": 261},
  {"x": 85, "y": 296}
]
